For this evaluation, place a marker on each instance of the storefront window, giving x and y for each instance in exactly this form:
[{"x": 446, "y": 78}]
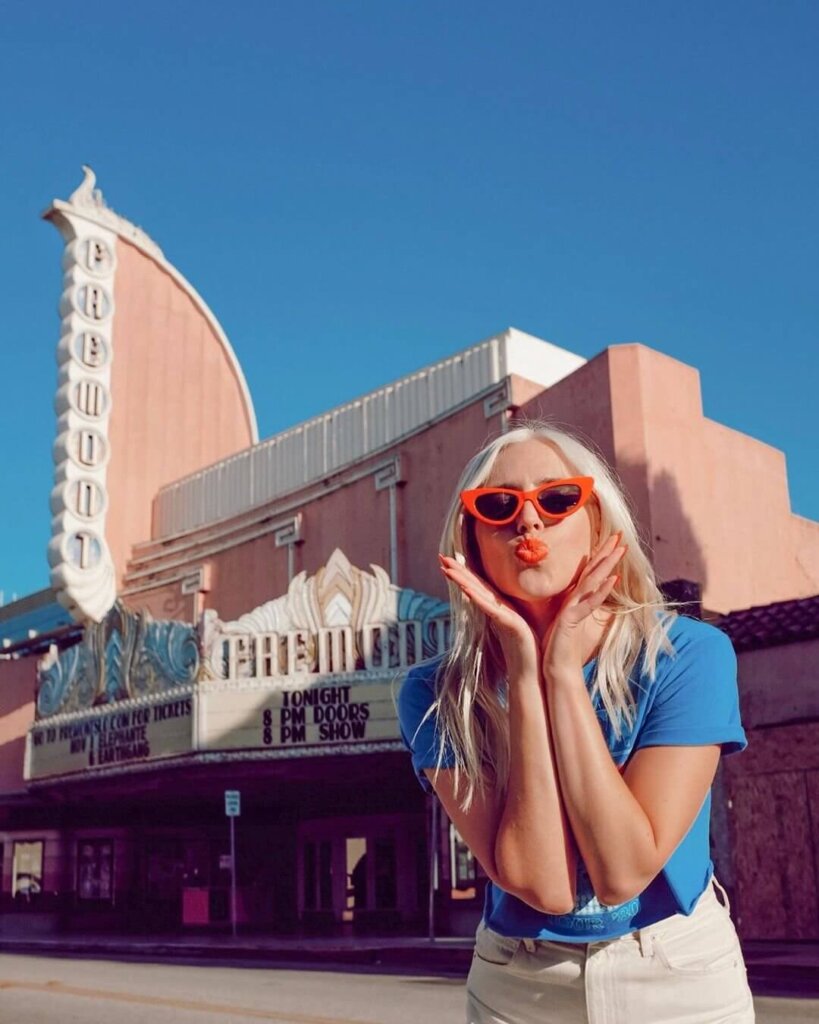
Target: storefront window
[
  {"x": 27, "y": 870},
  {"x": 461, "y": 867},
  {"x": 95, "y": 869}
]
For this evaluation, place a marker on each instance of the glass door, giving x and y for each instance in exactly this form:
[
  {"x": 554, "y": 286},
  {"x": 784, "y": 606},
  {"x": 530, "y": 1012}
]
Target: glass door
[{"x": 355, "y": 851}]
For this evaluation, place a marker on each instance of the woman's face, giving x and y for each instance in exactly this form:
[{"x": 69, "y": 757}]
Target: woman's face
[{"x": 512, "y": 569}]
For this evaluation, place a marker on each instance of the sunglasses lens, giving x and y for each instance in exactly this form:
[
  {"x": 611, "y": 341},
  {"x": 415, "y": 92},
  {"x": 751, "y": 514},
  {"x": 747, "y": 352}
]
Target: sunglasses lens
[
  {"x": 496, "y": 507},
  {"x": 557, "y": 501}
]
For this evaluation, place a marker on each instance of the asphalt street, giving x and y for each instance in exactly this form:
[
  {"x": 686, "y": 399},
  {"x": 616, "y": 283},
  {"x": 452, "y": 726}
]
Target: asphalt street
[{"x": 41, "y": 990}]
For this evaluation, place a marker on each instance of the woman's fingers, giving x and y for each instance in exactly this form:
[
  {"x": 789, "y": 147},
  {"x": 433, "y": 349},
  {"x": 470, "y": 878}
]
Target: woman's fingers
[
  {"x": 470, "y": 584},
  {"x": 595, "y": 582},
  {"x": 590, "y": 600},
  {"x": 476, "y": 590},
  {"x": 464, "y": 577},
  {"x": 602, "y": 552},
  {"x": 597, "y": 571}
]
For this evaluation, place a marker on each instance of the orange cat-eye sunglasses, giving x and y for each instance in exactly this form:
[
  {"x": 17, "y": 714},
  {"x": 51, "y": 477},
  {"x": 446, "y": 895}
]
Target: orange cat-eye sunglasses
[{"x": 555, "y": 499}]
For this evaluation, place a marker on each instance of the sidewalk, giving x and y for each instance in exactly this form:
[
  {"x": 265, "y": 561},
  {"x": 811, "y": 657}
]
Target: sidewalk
[
  {"x": 795, "y": 963},
  {"x": 443, "y": 955}
]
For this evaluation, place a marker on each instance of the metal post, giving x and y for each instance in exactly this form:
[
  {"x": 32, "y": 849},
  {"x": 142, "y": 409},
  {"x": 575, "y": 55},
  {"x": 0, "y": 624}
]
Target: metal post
[
  {"x": 233, "y": 876},
  {"x": 393, "y": 536},
  {"x": 433, "y": 866}
]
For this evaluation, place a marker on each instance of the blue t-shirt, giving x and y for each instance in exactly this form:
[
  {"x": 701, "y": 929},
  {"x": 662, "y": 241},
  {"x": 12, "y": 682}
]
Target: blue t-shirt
[{"x": 693, "y": 700}]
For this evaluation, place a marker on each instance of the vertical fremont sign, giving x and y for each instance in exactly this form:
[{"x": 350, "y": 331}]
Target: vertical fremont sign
[{"x": 82, "y": 571}]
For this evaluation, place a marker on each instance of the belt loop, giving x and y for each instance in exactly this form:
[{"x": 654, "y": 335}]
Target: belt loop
[
  {"x": 718, "y": 886},
  {"x": 646, "y": 941},
  {"x": 529, "y": 945}
]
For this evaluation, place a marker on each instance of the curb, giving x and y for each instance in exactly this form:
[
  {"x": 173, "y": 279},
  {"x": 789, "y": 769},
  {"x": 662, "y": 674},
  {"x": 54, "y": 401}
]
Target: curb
[{"x": 436, "y": 958}]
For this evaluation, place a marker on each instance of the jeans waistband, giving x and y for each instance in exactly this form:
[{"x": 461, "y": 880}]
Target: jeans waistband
[{"x": 643, "y": 935}]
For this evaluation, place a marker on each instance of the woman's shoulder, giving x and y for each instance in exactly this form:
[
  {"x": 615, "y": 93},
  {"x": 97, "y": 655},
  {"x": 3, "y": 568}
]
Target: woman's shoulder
[
  {"x": 415, "y": 698},
  {"x": 697, "y": 647},
  {"x": 694, "y": 699},
  {"x": 686, "y": 633},
  {"x": 422, "y": 678},
  {"x": 419, "y": 686}
]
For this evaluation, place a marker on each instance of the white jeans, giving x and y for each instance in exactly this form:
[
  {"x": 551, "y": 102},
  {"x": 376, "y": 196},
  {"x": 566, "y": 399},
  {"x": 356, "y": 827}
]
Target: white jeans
[{"x": 682, "y": 970}]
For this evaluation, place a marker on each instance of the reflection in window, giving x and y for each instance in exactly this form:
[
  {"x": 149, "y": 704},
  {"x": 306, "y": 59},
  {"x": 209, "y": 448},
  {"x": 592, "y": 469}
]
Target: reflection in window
[
  {"x": 95, "y": 869},
  {"x": 461, "y": 867}
]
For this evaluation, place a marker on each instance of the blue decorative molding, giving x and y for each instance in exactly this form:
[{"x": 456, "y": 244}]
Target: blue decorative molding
[
  {"x": 412, "y": 604},
  {"x": 126, "y": 655}
]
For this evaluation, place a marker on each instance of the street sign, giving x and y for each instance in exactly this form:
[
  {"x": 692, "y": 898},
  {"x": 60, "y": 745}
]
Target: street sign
[{"x": 232, "y": 810}]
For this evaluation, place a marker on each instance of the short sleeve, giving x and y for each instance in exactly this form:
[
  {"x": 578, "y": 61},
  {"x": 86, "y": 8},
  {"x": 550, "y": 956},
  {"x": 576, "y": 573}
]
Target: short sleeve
[
  {"x": 696, "y": 700},
  {"x": 420, "y": 733}
]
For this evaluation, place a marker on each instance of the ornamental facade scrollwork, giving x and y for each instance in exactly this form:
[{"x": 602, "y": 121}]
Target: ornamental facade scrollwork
[
  {"x": 82, "y": 570},
  {"x": 340, "y": 620}
]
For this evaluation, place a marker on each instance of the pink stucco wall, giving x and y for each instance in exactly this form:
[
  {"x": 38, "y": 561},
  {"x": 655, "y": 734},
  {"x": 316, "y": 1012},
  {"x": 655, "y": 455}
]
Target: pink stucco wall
[
  {"x": 352, "y": 516},
  {"x": 719, "y": 511},
  {"x": 712, "y": 502},
  {"x": 16, "y": 716},
  {"x": 177, "y": 401}
]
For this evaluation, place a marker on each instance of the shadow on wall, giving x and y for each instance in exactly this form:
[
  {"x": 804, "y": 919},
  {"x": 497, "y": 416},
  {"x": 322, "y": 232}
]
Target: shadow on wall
[
  {"x": 667, "y": 533},
  {"x": 677, "y": 553}
]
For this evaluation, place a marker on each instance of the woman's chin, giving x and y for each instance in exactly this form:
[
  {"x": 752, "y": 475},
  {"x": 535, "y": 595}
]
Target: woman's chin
[{"x": 531, "y": 588}]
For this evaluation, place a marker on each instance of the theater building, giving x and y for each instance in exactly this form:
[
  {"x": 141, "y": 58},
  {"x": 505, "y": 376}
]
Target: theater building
[{"x": 230, "y": 614}]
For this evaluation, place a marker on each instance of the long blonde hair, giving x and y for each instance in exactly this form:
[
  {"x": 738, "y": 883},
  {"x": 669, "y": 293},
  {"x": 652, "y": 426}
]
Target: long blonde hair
[{"x": 470, "y": 707}]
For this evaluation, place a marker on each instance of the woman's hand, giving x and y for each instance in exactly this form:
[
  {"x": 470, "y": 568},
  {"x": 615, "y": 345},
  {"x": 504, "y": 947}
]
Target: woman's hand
[
  {"x": 518, "y": 642},
  {"x": 563, "y": 644}
]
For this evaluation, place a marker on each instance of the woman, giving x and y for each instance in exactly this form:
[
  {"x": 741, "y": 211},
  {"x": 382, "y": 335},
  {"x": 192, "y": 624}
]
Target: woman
[{"x": 572, "y": 734}]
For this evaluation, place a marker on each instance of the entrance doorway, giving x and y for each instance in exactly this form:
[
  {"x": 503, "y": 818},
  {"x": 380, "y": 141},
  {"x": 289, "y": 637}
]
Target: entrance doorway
[{"x": 348, "y": 877}]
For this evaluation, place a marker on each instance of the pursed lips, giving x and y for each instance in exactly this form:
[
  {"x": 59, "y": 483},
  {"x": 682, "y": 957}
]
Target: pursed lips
[{"x": 531, "y": 550}]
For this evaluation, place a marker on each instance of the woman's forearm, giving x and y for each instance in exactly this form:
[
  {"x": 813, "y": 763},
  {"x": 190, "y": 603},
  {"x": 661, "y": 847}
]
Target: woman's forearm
[
  {"x": 535, "y": 855},
  {"x": 613, "y": 834}
]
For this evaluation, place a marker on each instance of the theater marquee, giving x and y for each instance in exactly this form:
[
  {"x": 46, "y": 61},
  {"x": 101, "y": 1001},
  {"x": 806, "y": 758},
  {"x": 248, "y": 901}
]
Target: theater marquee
[
  {"x": 140, "y": 732},
  {"x": 313, "y": 671},
  {"x": 318, "y": 667}
]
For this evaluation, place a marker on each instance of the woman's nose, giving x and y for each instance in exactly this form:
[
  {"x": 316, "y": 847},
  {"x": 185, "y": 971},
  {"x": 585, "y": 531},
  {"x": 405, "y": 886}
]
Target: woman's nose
[{"x": 528, "y": 518}]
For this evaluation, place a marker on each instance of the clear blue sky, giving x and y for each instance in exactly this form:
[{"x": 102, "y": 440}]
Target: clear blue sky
[{"x": 360, "y": 188}]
